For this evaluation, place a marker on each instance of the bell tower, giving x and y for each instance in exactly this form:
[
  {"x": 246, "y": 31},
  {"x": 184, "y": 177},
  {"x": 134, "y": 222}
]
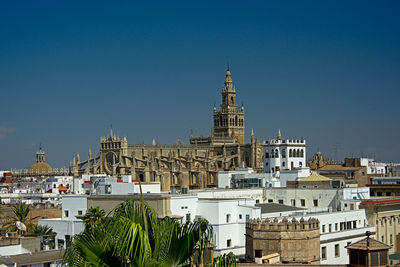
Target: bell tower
[
  {"x": 40, "y": 155},
  {"x": 229, "y": 120}
]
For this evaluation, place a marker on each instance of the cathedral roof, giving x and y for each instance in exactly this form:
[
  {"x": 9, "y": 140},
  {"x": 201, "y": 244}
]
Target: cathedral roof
[{"x": 40, "y": 167}]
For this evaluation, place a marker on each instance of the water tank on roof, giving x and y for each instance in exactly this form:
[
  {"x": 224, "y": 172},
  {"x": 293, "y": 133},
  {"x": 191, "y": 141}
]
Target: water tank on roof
[{"x": 184, "y": 190}]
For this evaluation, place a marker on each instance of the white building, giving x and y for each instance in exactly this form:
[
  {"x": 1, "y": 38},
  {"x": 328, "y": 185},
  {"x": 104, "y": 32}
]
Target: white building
[
  {"x": 68, "y": 225},
  {"x": 246, "y": 178},
  {"x": 258, "y": 194},
  {"x": 318, "y": 199},
  {"x": 292, "y": 175},
  {"x": 286, "y": 154},
  {"x": 224, "y": 177},
  {"x": 124, "y": 186},
  {"x": 228, "y": 218},
  {"x": 59, "y": 184},
  {"x": 184, "y": 206}
]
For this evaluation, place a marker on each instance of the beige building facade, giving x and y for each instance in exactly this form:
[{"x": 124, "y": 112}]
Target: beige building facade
[
  {"x": 195, "y": 165},
  {"x": 384, "y": 214},
  {"x": 295, "y": 241}
]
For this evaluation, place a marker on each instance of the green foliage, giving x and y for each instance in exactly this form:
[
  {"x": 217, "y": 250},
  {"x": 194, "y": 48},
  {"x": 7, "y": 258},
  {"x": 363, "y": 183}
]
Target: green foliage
[
  {"x": 20, "y": 213},
  {"x": 43, "y": 230},
  {"x": 134, "y": 236},
  {"x": 226, "y": 260},
  {"x": 94, "y": 216}
]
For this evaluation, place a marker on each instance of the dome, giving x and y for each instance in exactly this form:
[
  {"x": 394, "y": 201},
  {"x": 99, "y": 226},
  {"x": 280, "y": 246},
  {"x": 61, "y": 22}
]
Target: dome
[{"x": 40, "y": 167}]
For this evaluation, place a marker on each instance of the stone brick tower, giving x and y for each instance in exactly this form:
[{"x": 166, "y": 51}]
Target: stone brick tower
[{"x": 229, "y": 120}]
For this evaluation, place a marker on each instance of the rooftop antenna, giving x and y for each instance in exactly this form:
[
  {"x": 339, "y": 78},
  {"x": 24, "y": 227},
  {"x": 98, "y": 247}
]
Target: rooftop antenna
[{"x": 336, "y": 152}]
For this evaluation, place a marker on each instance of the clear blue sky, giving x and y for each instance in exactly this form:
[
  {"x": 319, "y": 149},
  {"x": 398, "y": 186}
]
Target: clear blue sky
[{"x": 328, "y": 71}]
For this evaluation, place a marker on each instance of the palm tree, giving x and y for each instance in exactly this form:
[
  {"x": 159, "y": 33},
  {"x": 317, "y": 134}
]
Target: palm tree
[
  {"x": 41, "y": 230},
  {"x": 93, "y": 216},
  {"x": 134, "y": 236},
  {"x": 45, "y": 232},
  {"x": 20, "y": 214}
]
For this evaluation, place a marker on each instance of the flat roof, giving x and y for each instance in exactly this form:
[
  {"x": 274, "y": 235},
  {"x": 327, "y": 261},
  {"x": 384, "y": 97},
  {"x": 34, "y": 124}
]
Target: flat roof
[
  {"x": 275, "y": 207},
  {"x": 33, "y": 258},
  {"x": 225, "y": 199}
]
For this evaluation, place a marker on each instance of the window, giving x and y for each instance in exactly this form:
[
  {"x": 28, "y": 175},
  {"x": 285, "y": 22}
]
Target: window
[
  {"x": 336, "y": 226},
  {"x": 315, "y": 186},
  {"x": 303, "y": 202},
  {"x": 229, "y": 243},
  {"x": 383, "y": 239},
  {"x": 187, "y": 216},
  {"x": 228, "y": 218},
  {"x": 391, "y": 239},
  {"x": 270, "y": 200},
  {"x": 323, "y": 228},
  {"x": 337, "y": 251},
  {"x": 257, "y": 201},
  {"x": 330, "y": 228},
  {"x": 323, "y": 253},
  {"x": 240, "y": 216},
  {"x": 66, "y": 213},
  {"x": 247, "y": 217},
  {"x": 354, "y": 224},
  {"x": 293, "y": 202},
  {"x": 280, "y": 201},
  {"x": 315, "y": 201},
  {"x": 283, "y": 164},
  {"x": 79, "y": 212}
]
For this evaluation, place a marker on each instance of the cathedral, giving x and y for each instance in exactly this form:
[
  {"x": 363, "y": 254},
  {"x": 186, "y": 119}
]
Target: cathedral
[{"x": 195, "y": 165}]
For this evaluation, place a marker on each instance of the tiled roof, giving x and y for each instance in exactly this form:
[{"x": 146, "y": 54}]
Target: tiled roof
[
  {"x": 315, "y": 178},
  {"x": 373, "y": 245}
]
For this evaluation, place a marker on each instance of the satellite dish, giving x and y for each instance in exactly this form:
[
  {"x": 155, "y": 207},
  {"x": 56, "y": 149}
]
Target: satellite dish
[{"x": 21, "y": 226}]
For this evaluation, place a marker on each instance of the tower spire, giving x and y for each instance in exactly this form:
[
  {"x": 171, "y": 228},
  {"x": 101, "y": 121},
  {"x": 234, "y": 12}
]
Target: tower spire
[
  {"x": 279, "y": 135},
  {"x": 228, "y": 84}
]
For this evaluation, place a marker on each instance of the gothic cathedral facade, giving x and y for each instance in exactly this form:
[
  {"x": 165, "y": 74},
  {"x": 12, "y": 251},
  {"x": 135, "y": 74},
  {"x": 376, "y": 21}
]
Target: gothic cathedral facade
[{"x": 195, "y": 165}]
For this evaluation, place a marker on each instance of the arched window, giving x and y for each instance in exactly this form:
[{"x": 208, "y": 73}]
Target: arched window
[
  {"x": 266, "y": 154},
  {"x": 290, "y": 153},
  {"x": 283, "y": 153},
  {"x": 236, "y": 121},
  {"x": 302, "y": 153},
  {"x": 298, "y": 153},
  {"x": 232, "y": 100},
  {"x": 276, "y": 153}
]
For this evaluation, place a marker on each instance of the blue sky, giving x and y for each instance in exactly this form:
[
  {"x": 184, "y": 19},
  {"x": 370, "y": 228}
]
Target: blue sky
[{"x": 328, "y": 71}]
